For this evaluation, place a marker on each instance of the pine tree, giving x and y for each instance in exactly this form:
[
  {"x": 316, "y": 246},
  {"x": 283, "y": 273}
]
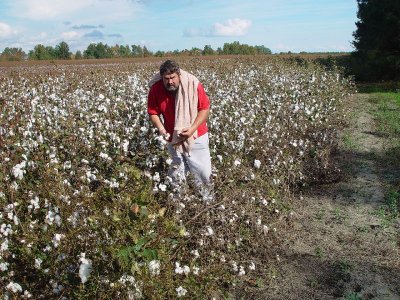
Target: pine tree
[{"x": 377, "y": 40}]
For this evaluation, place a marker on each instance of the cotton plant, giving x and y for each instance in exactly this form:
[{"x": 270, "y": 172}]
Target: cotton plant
[{"x": 83, "y": 171}]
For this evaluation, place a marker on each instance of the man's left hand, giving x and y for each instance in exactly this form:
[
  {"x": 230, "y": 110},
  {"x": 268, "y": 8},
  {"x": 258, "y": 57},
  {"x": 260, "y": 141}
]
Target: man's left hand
[{"x": 187, "y": 133}]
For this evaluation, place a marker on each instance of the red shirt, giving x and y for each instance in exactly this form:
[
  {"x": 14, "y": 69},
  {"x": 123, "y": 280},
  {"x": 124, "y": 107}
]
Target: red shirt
[{"x": 161, "y": 101}]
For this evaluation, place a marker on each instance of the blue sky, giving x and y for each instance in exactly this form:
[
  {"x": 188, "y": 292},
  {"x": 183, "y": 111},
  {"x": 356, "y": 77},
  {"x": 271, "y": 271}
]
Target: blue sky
[{"x": 281, "y": 25}]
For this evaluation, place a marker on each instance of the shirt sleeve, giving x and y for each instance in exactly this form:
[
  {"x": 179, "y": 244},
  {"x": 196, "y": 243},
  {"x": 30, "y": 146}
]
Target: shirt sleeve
[
  {"x": 204, "y": 102},
  {"x": 152, "y": 107}
]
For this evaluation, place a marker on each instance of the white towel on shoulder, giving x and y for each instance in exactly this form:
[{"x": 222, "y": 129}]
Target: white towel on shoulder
[{"x": 186, "y": 103}]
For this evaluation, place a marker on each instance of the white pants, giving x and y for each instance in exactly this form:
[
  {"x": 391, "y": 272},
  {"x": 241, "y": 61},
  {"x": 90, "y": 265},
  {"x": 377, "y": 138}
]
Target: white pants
[{"x": 198, "y": 164}]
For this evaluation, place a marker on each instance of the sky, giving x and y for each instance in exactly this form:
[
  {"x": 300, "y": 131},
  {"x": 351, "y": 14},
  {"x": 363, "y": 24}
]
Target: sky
[{"x": 280, "y": 25}]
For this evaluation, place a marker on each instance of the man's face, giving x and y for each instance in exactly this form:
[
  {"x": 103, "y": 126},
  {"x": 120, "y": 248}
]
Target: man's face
[{"x": 171, "y": 81}]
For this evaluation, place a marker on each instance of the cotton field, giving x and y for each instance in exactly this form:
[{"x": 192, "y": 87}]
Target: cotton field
[{"x": 86, "y": 208}]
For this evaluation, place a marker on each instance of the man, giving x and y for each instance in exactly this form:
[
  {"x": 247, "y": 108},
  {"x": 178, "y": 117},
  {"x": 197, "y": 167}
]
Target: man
[{"x": 180, "y": 99}]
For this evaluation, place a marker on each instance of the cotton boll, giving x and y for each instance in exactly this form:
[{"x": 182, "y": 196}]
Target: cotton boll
[
  {"x": 186, "y": 270},
  {"x": 178, "y": 268},
  {"x": 19, "y": 170},
  {"x": 57, "y": 239},
  {"x": 180, "y": 291},
  {"x": 4, "y": 266},
  {"x": 14, "y": 287},
  {"x": 209, "y": 231},
  {"x": 154, "y": 267},
  {"x": 85, "y": 268},
  {"x": 196, "y": 270},
  {"x": 241, "y": 271}
]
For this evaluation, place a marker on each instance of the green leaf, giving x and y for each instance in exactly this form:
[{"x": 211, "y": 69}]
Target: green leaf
[
  {"x": 150, "y": 254},
  {"x": 140, "y": 243},
  {"x": 115, "y": 218}
]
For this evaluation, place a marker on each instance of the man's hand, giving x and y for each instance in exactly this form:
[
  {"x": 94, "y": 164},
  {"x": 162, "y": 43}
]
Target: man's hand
[
  {"x": 187, "y": 132},
  {"x": 164, "y": 134},
  {"x": 200, "y": 118}
]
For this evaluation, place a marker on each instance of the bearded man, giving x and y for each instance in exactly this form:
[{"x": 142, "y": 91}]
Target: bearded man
[{"x": 179, "y": 98}]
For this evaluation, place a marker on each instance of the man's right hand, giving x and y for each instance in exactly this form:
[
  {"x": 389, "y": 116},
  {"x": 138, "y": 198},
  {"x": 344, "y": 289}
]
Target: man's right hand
[{"x": 164, "y": 133}]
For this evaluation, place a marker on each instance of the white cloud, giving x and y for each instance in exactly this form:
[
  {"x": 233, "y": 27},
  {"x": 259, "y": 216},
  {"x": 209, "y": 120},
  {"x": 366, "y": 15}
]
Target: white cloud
[
  {"x": 47, "y": 9},
  {"x": 6, "y": 30},
  {"x": 68, "y": 9},
  {"x": 232, "y": 27},
  {"x": 70, "y": 35}
]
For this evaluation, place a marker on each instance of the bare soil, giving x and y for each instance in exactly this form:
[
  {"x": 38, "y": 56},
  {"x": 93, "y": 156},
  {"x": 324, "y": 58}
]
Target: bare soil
[{"x": 340, "y": 243}]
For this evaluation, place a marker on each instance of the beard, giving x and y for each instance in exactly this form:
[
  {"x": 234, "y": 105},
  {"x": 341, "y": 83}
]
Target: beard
[{"x": 171, "y": 88}]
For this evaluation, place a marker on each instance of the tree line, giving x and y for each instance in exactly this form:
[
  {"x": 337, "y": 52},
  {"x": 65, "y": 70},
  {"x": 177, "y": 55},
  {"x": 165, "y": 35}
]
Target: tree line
[{"x": 100, "y": 50}]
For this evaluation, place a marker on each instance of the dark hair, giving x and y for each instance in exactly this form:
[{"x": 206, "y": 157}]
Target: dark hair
[{"x": 169, "y": 67}]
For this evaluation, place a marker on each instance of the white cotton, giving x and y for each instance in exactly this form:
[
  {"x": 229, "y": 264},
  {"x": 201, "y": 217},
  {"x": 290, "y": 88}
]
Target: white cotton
[
  {"x": 5, "y": 229},
  {"x": 237, "y": 162},
  {"x": 162, "y": 187},
  {"x": 241, "y": 271},
  {"x": 85, "y": 268},
  {"x": 196, "y": 270},
  {"x": 209, "y": 231},
  {"x": 125, "y": 146},
  {"x": 67, "y": 165},
  {"x": 57, "y": 220},
  {"x": 4, "y": 266},
  {"x": 27, "y": 295},
  {"x": 18, "y": 170},
  {"x": 38, "y": 263},
  {"x": 154, "y": 267},
  {"x": 57, "y": 238},
  {"x": 14, "y": 287},
  {"x": 195, "y": 253},
  {"x": 50, "y": 217},
  {"x": 234, "y": 266},
  {"x": 178, "y": 268},
  {"x": 186, "y": 270},
  {"x": 4, "y": 246},
  {"x": 180, "y": 291},
  {"x": 104, "y": 156},
  {"x": 156, "y": 177},
  {"x": 257, "y": 164},
  {"x": 34, "y": 203},
  {"x": 90, "y": 176}
]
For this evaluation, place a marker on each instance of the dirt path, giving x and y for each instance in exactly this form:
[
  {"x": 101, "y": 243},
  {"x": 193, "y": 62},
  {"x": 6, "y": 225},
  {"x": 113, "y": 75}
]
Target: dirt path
[{"x": 341, "y": 244}]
